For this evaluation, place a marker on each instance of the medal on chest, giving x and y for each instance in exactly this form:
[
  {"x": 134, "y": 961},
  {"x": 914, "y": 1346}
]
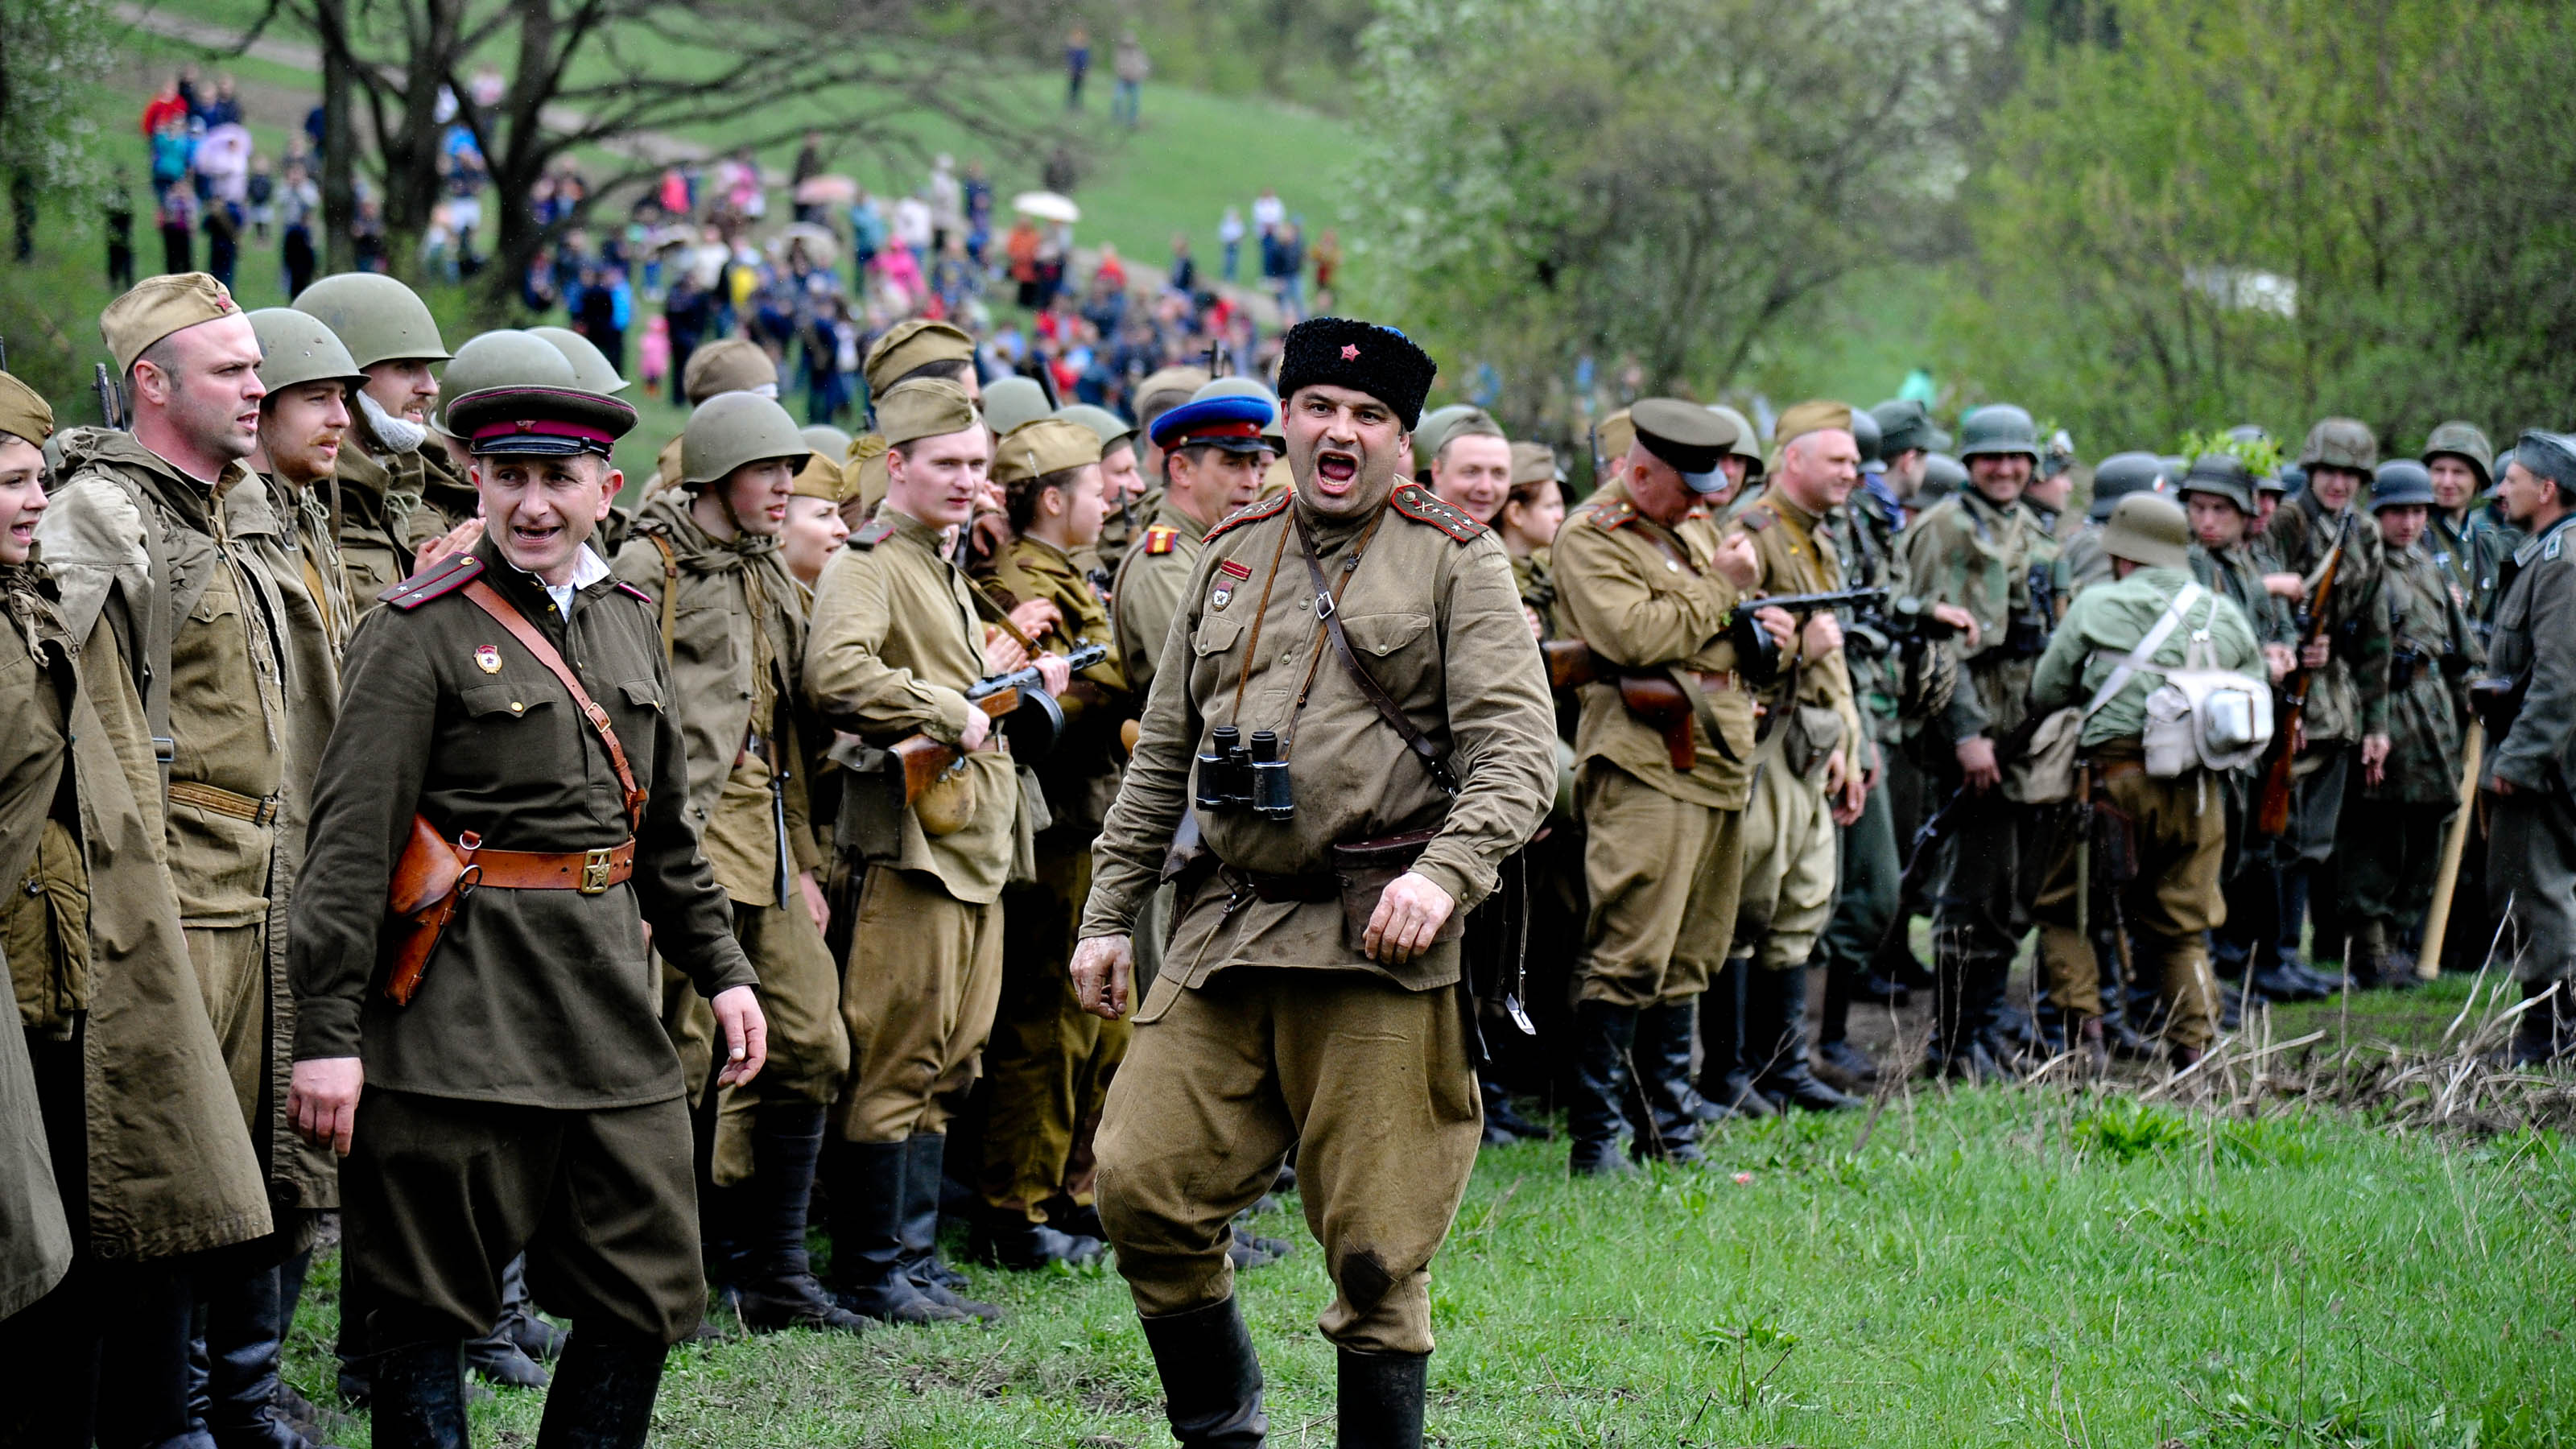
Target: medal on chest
[
  {"x": 1229, "y": 573},
  {"x": 487, "y": 657}
]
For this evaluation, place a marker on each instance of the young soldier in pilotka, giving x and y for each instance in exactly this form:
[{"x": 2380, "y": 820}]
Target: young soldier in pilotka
[
  {"x": 707, "y": 553},
  {"x": 2174, "y": 828},
  {"x": 1050, "y": 1062},
  {"x": 895, "y": 641},
  {"x": 504, "y": 1085},
  {"x": 1368, "y": 645}
]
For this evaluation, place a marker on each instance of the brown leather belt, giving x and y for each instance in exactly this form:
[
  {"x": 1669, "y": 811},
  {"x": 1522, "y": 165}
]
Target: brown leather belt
[
  {"x": 587, "y": 871},
  {"x": 1724, "y": 681},
  {"x": 1321, "y": 885},
  {"x": 257, "y": 810}
]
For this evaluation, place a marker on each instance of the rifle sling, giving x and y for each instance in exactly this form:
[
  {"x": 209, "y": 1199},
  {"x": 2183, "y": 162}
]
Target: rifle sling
[
  {"x": 1433, "y": 758},
  {"x": 490, "y": 601}
]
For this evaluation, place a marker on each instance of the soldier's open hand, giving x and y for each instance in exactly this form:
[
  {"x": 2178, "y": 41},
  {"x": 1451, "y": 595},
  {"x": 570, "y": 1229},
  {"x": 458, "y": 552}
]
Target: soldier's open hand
[
  {"x": 1103, "y": 970},
  {"x": 1977, "y": 763},
  {"x": 1409, "y": 914},
  {"x": 746, "y": 1034},
  {"x": 323, "y": 1101}
]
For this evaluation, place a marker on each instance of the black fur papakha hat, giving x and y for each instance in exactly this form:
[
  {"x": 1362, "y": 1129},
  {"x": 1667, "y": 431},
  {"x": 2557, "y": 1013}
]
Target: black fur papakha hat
[{"x": 1362, "y": 356}]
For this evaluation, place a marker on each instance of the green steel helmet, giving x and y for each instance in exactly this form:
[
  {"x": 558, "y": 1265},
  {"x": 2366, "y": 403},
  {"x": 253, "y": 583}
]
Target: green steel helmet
[
  {"x": 2468, "y": 443},
  {"x": 295, "y": 348},
  {"x": 1999, "y": 428},
  {"x": 1273, "y": 432},
  {"x": 1943, "y": 475},
  {"x": 2149, "y": 529},
  {"x": 734, "y": 428},
  {"x": 1112, "y": 428},
  {"x": 1865, "y": 431},
  {"x": 506, "y": 358},
  {"x": 2341, "y": 443},
  {"x": 380, "y": 319},
  {"x": 1012, "y": 401},
  {"x": 829, "y": 441},
  {"x": 1904, "y": 423},
  {"x": 2121, "y": 474},
  {"x": 1747, "y": 445},
  {"x": 2399, "y": 482},
  {"x": 591, "y": 369},
  {"x": 2222, "y": 475}
]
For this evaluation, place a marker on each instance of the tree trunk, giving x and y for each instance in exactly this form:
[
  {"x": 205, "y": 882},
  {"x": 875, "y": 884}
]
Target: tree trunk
[{"x": 339, "y": 137}]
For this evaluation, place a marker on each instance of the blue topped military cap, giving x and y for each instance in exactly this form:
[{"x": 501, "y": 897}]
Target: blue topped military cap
[{"x": 1234, "y": 423}]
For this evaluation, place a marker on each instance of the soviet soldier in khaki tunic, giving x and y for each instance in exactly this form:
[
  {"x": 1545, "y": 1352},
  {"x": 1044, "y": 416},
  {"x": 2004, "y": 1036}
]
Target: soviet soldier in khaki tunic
[
  {"x": 1809, "y": 775},
  {"x": 511, "y": 704},
  {"x": 1653, "y": 592},
  {"x": 706, "y": 553},
  {"x": 167, "y": 539},
  {"x": 122, "y": 1147},
  {"x": 1312, "y": 989},
  {"x": 303, "y": 431},
  {"x": 398, "y": 490},
  {"x": 894, "y": 643},
  {"x": 1050, "y": 1062}
]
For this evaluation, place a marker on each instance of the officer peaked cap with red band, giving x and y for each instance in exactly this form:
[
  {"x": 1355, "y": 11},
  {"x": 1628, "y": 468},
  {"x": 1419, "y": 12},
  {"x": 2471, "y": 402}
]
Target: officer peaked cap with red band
[
  {"x": 1234, "y": 423},
  {"x": 529, "y": 421},
  {"x": 1361, "y": 356}
]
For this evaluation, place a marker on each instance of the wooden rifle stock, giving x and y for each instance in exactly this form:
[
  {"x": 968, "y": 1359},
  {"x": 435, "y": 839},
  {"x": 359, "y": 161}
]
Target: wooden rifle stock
[
  {"x": 1650, "y": 695},
  {"x": 925, "y": 759},
  {"x": 2272, "y": 806},
  {"x": 1569, "y": 662}
]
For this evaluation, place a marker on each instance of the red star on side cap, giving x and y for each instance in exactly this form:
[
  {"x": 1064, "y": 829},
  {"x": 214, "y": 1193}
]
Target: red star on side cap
[{"x": 1350, "y": 352}]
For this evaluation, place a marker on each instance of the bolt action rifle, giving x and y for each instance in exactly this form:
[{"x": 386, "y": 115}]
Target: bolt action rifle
[{"x": 2272, "y": 804}]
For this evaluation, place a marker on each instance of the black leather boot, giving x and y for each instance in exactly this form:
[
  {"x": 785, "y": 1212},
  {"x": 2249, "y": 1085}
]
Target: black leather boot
[
  {"x": 2546, "y": 1030},
  {"x": 245, "y": 1338},
  {"x": 416, "y": 1397},
  {"x": 1776, "y": 1025},
  {"x": 1010, "y": 1240},
  {"x": 1723, "y": 1077},
  {"x": 1377, "y": 1399},
  {"x": 1501, "y": 1115},
  {"x": 1211, "y": 1377},
  {"x": 867, "y": 1190},
  {"x": 925, "y": 1154},
  {"x": 1667, "y": 1127},
  {"x": 1604, "y": 1037},
  {"x": 773, "y": 1281},
  {"x": 541, "y": 1341},
  {"x": 603, "y": 1391}
]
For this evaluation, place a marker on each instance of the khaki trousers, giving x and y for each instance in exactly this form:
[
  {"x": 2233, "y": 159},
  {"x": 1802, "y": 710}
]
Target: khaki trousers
[
  {"x": 1048, "y": 1066},
  {"x": 1664, "y": 876},
  {"x": 232, "y": 971},
  {"x": 809, "y": 1046},
  {"x": 2180, "y": 830},
  {"x": 918, "y": 995},
  {"x": 1370, "y": 1083},
  {"x": 1787, "y": 895}
]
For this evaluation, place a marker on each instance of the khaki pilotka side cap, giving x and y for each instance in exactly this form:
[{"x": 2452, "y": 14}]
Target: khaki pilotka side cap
[
  {"x": 1535, "y": 463},
  {"x": 728, "y": 364},
  {"x": 1810, "y": 417},
  {"x": 157, "y": 307},
  {"x": 821, "y": 477},
  {"x": 863, "y": 473},
  {"x": 908, "y": 345},
  {"x": 22, "y": 413},
  {"x": 926, "y": 407},
  {"x": 1048, "y": 445}
]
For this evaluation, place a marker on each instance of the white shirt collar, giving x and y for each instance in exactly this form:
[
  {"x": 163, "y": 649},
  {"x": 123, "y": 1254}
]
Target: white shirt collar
[{"x": 587, "y": 568}]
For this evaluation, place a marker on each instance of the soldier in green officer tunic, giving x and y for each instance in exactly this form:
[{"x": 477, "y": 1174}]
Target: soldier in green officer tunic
[
  {"x": 511, "y": 703},
  {"x": 398, "y": 491},
  {"x": 1312, "y": 989},
  {"x": 706, "y": 553},
  {"x": 2389, "y": 842},
  {"x": 1050, "y": 1063}
]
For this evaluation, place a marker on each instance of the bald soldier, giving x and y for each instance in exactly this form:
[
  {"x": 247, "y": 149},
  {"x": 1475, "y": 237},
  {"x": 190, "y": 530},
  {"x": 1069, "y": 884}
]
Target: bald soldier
[
  {"x": 1312, "y": 993},
  {"x": 1811, "y": 773},
  {"x": 894, "y": 642},
  {"x": 1654, "y": 592}
]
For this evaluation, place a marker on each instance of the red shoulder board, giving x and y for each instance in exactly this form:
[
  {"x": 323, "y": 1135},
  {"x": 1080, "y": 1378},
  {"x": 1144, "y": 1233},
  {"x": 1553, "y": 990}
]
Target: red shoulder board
[
  {"x": 875, "y": 531},
  {"x": 1158, "y": 539},
  {"x": 1609, "y": 514},
  {"x": 1422, "y": 506},
  {"x": 1757, "y": 518},
  {"x": 442, "y": 578},
  {"x": 1251, "y": 513},
  {"x": 634, "y": 592}
]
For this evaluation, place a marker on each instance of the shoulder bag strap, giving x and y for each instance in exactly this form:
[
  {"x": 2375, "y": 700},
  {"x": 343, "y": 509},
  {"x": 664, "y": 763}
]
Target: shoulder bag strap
[
  {"x": 2137, "y": 658},
  {"x": 1433, "y": 758},
  {"x": 489, "y": 600},
  {"x": 670, "y": 596}
]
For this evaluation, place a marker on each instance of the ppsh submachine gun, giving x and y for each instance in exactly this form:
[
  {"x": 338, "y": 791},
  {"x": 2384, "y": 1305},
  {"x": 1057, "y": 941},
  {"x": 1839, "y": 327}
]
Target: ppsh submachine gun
[
  {"x": 1029, "y": 718},
  {"x": 1757, "y": 655}
]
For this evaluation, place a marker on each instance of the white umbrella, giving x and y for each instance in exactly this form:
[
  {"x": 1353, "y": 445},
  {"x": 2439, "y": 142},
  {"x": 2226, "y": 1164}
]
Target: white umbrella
[
  {"x": 821, "y": 247},
  {"x": 827, "y": 190},
  {"x": 1047, "y": 206}
]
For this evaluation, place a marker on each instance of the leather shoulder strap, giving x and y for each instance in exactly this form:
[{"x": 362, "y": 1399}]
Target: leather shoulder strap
[
  {"x": 533, "y": 640},
  {"x": 670, "y": 593},
  {"x": 1433, "y": 758}
]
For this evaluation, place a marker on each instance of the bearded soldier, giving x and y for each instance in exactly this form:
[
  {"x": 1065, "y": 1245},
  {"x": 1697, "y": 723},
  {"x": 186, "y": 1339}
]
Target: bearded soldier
[
  {"x": 398, "y": 491},
  {"x": 1365, "y": 643}
]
